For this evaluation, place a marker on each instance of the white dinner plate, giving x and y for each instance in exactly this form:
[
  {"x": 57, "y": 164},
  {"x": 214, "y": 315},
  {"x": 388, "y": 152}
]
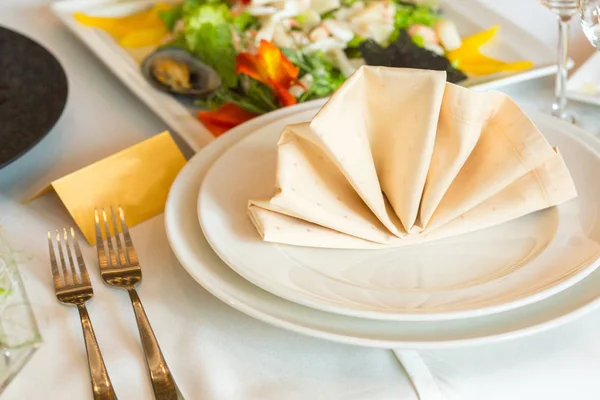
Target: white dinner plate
[
  {"x": 512, "y": 43},
  {"x": 483, "y": 272},
  {"x": 196, "y": 256}
]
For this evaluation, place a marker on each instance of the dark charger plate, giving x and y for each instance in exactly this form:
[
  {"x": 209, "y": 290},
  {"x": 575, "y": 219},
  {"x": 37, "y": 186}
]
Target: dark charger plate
[{"x": 33, "y": 94}]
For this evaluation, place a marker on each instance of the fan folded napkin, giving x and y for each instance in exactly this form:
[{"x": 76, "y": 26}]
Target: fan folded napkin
[{"x": 399, "y": 156}]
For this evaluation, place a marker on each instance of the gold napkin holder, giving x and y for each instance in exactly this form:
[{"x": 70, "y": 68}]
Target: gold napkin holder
[{"x": 138, "y": 179}]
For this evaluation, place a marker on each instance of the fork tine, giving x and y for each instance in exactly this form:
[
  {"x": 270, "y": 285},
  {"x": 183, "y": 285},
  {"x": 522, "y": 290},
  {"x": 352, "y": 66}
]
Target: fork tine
[
  {"x": 118, "y": 241},
  {"x": 102, "y": 259},
  {"x": 111, "y": 251},
  {"x": 85, "y": 277},
  {"x": 99, "y": 237},
  {"x": 55, "y": 274},
  {"x": 63, "y": 264},
  {"x": 131, "y": 254},
  {"x": 68, "y": 249}
]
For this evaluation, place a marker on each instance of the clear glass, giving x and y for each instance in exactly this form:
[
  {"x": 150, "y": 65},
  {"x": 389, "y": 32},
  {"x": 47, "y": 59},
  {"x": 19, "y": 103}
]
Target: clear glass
[
  {"x": 19, "y": 334},
  {"x": 565, "y": 10},
  {"x": 590, "y": 20}
]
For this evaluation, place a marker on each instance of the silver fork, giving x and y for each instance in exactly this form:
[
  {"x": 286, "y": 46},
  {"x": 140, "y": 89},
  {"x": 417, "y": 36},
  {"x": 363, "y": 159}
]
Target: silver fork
[
  {"x": 120, "y": 268},
  {"x": 75, "y": 288}
]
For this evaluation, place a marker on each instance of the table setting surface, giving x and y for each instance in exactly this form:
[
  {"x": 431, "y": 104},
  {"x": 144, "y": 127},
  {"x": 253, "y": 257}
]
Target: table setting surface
[{"x": 213, "y": 350}]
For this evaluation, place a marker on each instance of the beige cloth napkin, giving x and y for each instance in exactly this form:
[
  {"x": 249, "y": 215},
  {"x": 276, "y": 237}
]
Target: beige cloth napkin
[{"x": 399, "y": 156}]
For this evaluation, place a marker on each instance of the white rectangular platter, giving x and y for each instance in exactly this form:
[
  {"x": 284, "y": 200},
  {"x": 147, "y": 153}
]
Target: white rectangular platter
[
  {"x": 511, "y": 43},
  {"x": 584, "y": 85}
]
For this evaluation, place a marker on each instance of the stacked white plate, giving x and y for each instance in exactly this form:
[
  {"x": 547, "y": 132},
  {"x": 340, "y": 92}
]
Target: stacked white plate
[{"x": 518, "y": 278}]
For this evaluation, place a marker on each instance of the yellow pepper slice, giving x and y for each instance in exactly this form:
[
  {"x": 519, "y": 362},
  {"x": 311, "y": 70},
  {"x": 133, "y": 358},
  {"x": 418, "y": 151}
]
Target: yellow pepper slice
[
  {"x": 474, "y": 42},
  {"x": 469, "y": 49},
  {"x": 488, "y": 69},
  {"x": 144, "y": 28},
  {"x": 470, "y": 60},
  {"x": 143, "y": 37}
]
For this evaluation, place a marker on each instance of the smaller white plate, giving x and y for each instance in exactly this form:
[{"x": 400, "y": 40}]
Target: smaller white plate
[
  {"x": 196, "y": 256},
  {"x": 584, "y": 85},
  {"x": 484, "y": 272}
]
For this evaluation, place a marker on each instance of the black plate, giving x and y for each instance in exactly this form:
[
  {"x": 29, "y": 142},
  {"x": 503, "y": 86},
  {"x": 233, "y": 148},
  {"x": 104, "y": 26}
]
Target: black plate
[{"x": 33, "y": 93}]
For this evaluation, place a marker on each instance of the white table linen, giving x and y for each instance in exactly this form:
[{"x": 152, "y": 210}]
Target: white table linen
[{"x": 214, "y": 351}]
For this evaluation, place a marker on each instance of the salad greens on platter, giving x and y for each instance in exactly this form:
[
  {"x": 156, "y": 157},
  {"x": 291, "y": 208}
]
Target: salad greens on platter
[{"x": 241, "y": 58}]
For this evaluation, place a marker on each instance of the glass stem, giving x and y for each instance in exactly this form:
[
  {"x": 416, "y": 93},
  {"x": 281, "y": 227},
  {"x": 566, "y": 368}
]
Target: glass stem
[{"x": 558, "y": 108}]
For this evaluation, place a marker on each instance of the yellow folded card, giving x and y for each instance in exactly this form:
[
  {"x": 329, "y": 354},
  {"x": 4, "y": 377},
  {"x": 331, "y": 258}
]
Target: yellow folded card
[{"x": 137, "y": 178}]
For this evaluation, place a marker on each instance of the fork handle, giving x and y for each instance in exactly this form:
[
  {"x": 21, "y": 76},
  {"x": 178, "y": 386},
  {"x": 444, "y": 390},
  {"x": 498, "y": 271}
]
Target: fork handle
[
  {"x": 163, "y": 383},
  {"x": 101, "y": 385}
]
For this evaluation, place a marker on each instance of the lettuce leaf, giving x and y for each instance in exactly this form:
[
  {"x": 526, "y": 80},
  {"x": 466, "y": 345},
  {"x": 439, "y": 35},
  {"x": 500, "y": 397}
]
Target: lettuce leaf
[
  {"x": 421, "y": 14},
  {"x": 209, "y": 37},
  {"x": 352, "y": 47},
  {"x": 245, "y": 21},
  {"x": 326, "y": 77},
  {"x": 192, "y": 4},
  {"x": 170, "y": 17},
  {"x": 250, "y": 95},
  {"x": 411, "y": 14}
]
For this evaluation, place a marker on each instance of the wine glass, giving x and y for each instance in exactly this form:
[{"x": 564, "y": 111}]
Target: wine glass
[
  {"x": 565, "y": 10},
  {"x": 590, "y": 20}
]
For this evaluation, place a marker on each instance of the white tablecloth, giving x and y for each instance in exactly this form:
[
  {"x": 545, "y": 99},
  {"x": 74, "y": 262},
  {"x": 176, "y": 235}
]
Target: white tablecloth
[{"x": 214, "y": 351}]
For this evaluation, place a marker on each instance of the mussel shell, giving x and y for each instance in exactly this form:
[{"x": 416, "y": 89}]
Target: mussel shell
[{"x": 203, "y": 79}]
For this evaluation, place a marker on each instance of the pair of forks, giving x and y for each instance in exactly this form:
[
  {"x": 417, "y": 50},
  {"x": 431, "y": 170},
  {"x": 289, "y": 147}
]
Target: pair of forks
[{"x": 119, "y": 268}]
